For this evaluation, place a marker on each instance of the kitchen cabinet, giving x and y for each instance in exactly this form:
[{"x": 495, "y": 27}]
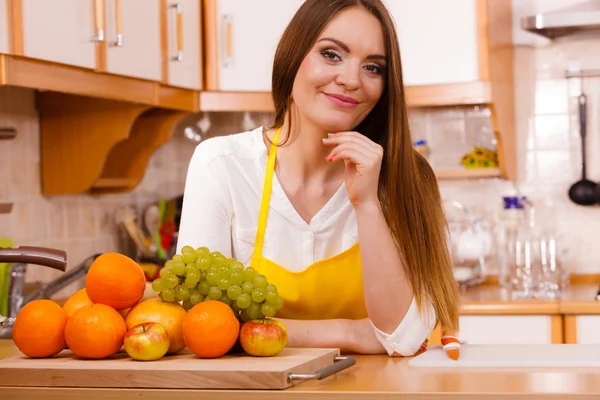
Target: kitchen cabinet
[
  {"x": 133, "y": 38},
  {"x": 438, "y": 40},
  {"x": 582, "y": 329},
  {"x": 62, "y": 31},
  {"x": 184, "y": 44},
  {"x": 243, "y": 40},
  {"x": 510, "y": 329},
  {"x": 4, "y": 27}
]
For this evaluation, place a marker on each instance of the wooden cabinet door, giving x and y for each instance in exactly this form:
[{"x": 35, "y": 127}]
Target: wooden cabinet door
[
  {"x": 184, "y": 44},
  {"x": 62, "y": 31},
  {"x": 506, "y": 329},
  {"x": 438, "y": 40},
  {"x": 4, "y": 26},
  {"x": 247, "y": 34},
  {"x": 133, "y": 38}
]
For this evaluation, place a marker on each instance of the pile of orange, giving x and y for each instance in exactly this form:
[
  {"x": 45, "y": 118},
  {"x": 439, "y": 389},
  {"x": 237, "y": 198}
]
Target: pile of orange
[
  {"x": 93, "y": 322},
  {"x": 90, "y": 322}
]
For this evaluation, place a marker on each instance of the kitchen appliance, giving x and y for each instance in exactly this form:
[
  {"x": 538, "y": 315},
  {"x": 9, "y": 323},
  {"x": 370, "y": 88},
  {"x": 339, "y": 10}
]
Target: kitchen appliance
[
  {"x": 583, "y": 192},
  {"x": 181, "y": 371},
  {"x": 512, "y": 356},
  {"x": 569, "y": 20}
]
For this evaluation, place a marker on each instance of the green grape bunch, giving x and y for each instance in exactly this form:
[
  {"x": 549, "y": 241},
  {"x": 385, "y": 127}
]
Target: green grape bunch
[{"x": 200, "y": 275}]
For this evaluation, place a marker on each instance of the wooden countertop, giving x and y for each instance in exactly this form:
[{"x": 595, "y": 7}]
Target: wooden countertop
[{"x": 372, "y": 377}]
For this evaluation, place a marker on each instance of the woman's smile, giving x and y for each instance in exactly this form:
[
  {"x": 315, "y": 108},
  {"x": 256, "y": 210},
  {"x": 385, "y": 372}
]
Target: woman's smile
[{"x": 342, "y": 101}]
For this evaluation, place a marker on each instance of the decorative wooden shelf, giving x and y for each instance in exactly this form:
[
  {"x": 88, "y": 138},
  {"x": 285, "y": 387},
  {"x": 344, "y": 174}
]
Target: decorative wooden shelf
[
  {"x": 469, "y": 173},
  {"x": 457, "y": 94},
  {"x": 48, "y": 76},
  {"x": 236, "y": 101},
  {"x": 98, "y": 145}
]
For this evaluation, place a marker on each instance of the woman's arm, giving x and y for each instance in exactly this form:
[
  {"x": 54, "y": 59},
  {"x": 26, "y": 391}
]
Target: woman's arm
[
  {"x": 387, "y": 290},
  {"x": 388, "y": 293},
  {"x": 356, "y": 336}
]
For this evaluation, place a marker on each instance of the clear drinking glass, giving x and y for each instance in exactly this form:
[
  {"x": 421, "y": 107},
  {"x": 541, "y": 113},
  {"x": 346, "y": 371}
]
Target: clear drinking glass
[{"x": 537, "y": 265}]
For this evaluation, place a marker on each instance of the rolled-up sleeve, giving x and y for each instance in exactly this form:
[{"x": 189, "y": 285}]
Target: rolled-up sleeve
[{"x": 410, "y": 334}]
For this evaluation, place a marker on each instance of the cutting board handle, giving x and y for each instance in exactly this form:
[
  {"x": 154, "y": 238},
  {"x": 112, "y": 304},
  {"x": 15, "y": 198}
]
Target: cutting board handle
[{"x": 340, "y": 363}]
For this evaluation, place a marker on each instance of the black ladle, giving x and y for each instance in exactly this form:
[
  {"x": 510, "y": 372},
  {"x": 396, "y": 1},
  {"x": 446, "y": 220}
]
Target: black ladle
[{"x": 583, "y": 192}]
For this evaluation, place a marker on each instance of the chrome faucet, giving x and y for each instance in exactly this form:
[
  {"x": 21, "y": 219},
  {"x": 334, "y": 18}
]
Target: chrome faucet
[{"x": 24, "y": 255}]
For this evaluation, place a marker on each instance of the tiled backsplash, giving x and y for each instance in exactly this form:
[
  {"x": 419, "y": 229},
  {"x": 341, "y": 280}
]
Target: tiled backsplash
[
  {"x": 548, "y": 145},
  {"x": 548, "y": 162}
]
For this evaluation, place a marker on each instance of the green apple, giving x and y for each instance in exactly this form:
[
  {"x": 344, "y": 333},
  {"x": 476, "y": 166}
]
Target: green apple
[
  {"x": 263, "y": 337},
  {"x": 147, "y": 341}
]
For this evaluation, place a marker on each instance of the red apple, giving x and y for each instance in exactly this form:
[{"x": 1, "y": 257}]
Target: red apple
[
  {"x": 263, "y": 337},
  {"x": 147, "y": 341}
]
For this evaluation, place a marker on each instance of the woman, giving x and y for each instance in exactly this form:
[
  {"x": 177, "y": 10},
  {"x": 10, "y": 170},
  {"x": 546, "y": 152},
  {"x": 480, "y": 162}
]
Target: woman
[{"x": 337, "y": 169}]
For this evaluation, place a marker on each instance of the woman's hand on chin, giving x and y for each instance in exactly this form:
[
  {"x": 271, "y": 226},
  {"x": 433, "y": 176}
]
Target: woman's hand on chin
[{"x": 362, "y": 159}]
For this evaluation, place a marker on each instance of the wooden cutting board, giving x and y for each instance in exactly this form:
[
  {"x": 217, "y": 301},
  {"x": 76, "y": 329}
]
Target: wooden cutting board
[
  {"x": 514, "y": 356},
  {"x": 184, "y": 370}
]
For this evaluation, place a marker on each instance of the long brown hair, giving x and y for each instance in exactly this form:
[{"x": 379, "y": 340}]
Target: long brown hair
[{"x": 408, "y": 189}]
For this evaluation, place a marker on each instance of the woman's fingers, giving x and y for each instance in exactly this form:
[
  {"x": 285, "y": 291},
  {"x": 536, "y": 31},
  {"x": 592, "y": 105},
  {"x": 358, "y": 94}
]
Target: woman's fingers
[{"x": 355, "y": 137}]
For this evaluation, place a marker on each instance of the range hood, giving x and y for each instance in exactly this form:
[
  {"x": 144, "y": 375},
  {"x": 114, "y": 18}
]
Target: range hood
[{"x": 566, "y": 21}]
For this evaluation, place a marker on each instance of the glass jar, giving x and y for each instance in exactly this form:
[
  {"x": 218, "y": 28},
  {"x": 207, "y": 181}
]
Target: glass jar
[{"x": 470, "y": 243}]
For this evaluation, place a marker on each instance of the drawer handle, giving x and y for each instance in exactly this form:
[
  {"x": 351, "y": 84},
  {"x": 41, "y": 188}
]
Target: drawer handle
[
  {"x": 226, "y": 40},
  {"x": 119, "y": 25},
  {"x": 179, "y": 10},
  {"x": 98, "y": 16}
]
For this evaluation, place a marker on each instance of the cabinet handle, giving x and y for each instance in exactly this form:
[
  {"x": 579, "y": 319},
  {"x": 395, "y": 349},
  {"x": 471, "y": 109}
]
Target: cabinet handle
[
  {"x": 179, "y": 9},
  {"x": 98, "y": 14},
  {"x": 119, "y": 24},
  {"x": 226, "y": 41}
]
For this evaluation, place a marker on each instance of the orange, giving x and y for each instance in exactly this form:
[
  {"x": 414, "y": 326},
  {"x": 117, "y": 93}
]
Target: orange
[
  {"x": 169, "y": 315},
  {"x": 115, "y": 280},
  {"x": 95, "y": 331},
  {"x": 76, "y": 301},
  {"x": 39, "y": 329},
  {"x": 210, "y": 329}
]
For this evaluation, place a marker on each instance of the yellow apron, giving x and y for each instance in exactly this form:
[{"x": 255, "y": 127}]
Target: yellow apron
[{"x": 330, "y": 288}]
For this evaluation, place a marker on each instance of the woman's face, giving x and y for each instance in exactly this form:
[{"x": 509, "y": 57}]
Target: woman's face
[{"x": 343, "y": 76}]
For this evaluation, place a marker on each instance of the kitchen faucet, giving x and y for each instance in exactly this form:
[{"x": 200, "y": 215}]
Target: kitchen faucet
[{"x": 24, "y": 255}]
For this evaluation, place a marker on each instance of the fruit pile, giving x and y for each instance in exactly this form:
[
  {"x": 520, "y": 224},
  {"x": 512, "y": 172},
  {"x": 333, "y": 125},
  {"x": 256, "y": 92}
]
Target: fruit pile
[
  {"x": 200, "y": 275},
  {"x": 109, "y": 315}
]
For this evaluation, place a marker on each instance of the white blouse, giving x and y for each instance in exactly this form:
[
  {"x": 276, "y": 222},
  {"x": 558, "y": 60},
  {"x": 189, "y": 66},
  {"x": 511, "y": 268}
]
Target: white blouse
[{"x": 221, "y": 204}]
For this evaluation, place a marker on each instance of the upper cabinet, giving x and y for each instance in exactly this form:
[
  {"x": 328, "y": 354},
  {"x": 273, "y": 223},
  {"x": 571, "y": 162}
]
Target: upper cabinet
[
  {"x": 4, "y": 27},
  {"x": 438, "y": 40},
  {"x": 242, "y": 39},
  {"x": 151, "y": 40},
  {"x": 62, "y": 31},
  {"x": 133, "y": 38},
  {"x": 183, "y": 37}
]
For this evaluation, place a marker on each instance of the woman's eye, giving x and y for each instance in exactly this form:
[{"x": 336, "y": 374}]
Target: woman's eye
[
  {"x": 330, "y": 55},
  {"x": 374, "y": 68}
]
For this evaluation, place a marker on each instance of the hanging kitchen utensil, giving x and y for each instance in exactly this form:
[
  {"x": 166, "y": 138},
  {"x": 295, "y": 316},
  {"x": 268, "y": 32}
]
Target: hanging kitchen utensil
[{"x": 583, "y": 192}]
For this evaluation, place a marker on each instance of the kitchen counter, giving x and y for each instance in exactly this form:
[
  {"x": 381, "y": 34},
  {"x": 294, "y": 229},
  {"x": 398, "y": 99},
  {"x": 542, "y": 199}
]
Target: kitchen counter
[
  {"x": 492, "y": 299},
  {"x": 372, "y": 377}
]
